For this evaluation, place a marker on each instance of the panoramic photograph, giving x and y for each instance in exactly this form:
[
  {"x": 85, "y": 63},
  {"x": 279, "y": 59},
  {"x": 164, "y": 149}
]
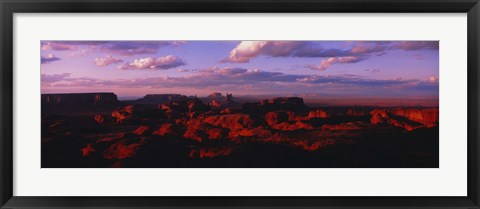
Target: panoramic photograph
[{"x": 239, "y": 104}]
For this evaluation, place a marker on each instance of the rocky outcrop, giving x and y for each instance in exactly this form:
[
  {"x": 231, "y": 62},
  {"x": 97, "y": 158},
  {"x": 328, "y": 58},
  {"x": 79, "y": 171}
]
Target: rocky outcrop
[
  {"x": 196, "y": 130},
  {"x": 408, "y": 119},
  {"x": 215, "y": 95},
  {"x": 258, "y": 132},
  {"x": 210, "y": 152},
  {"x": 232, "y": 122},
  {"x": 318, "y": 114},
  {"x": 277, "y": 117},
  {"x": 215, "y": 104},
  {"x": 142, "y": 130},
  {"x": 287, "y": 126},
  {"x": 305, "y": 145},
  {"x": 191, "y": 108},
  {"x": 99, "y": 119},
  {"x": 169, "y": 129},
  {"x": 350, "y": 126},
  {"x": 122, "y": 114},
  {"x": 79, "y": 100},
  {"x": 87, "y": 150},
  {"x": 121, "y": 150},
  {"x": 427, "y": 117}
]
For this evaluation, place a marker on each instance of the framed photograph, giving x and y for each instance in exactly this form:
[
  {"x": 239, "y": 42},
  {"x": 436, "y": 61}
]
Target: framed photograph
[{"x": 265, "y": 104}]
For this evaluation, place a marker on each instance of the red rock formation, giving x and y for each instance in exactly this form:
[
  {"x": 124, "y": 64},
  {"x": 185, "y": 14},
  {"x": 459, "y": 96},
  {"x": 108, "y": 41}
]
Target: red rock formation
[
  {"x": 142, "y": 130},
  {"x": 210, "y": 152},
  {"x": 121, "y": 150},
  {"x": 169, "y": 128},
  {"x": 226, "y": 111},
  {"x": 318, "y": 114},
  {"x": 195, "y": 130},
  {"x": 215, "y": 104},
  {"x": 313, "y": 146},
  {"x": 216, "y": 133},
  {"x": 408, "y": 119},
  {"x": 277, "y": 117},
  {"x": 427, "y": 117},
  {"x": 87, "y": 150},
  {"x": 258, "y": 132},
  {"x": 286, "y": 126},
  {"x": 111, "y": 137},
  {"x": 99, "y": 119},
  {"x": 378, "y": 116},
  {"x": 232, "y": 122},
  {"x": 344, "y": 126},
  {"x": 277, "y": 138},
  {"x": 123, "y": 114}
]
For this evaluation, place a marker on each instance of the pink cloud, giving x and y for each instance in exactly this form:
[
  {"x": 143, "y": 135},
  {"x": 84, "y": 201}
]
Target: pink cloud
[
  {"x": 58, "y": 46},
  {"x": 326, "y": 63},
  {"x": 162, "y": 63},
  {"x": 105, "y": 61},
  {"x": 247, "y": 50},
  {"x": 48, "y": 58}
]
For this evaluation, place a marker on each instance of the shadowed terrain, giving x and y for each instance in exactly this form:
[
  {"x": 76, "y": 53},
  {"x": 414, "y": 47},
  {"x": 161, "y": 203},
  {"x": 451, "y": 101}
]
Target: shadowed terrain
[{"x": 177, "y": 131}]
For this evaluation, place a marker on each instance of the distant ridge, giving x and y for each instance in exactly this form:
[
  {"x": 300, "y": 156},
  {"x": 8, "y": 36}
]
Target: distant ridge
[{"x": 80, "y": 99}]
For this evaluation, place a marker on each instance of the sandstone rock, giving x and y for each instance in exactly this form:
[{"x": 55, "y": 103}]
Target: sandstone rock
[
  {"x": 210, "y": 152},
  {"x": 87, "y": 150},
  {"x": 318, "y": 114},
  {"x": 427, "y": 117},
  {"x": 99, "y": 119},
  {"x": 344, "y": 126},
  {"x": 277, "y": 117},
  {"x": 232, "y": 122},
  {"x": 313, "y": 146},
  {"x": 141, "y": 130},
  {"x": 121, "y": 150},
  {"x": 169, "y": 129},
  {"x": 286, "y": 126},
  {"x": 258, "y": 132}
]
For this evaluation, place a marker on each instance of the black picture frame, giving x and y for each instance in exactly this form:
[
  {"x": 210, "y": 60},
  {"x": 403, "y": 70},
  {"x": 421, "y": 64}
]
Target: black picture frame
[{"x": 10, "y": 7}]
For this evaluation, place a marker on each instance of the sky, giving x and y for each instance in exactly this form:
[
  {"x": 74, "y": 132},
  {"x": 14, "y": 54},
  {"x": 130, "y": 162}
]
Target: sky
[{"x": 325, "y": 69}]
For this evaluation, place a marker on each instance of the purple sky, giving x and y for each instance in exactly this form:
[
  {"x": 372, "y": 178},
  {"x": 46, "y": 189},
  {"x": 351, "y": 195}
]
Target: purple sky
[{"x": 349, "y": 69}]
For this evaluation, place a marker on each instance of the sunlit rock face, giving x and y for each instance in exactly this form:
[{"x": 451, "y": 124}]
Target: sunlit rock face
[
  {"x": 276, "y": 117},
  {"x": 211, "y": 152},
  {"x": 79, "y": 100},
  {"x": 232, "y": 122},
  {"x": 121, "y": 150},
  {"x": 428, "y": 117},
  {"x": 318, "y": 114},
  {"x": 406, "y": 118}
]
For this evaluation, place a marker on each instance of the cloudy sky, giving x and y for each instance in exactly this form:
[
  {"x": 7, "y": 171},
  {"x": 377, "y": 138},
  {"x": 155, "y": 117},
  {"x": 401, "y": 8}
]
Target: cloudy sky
[{"x": 349, "y": 69}]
